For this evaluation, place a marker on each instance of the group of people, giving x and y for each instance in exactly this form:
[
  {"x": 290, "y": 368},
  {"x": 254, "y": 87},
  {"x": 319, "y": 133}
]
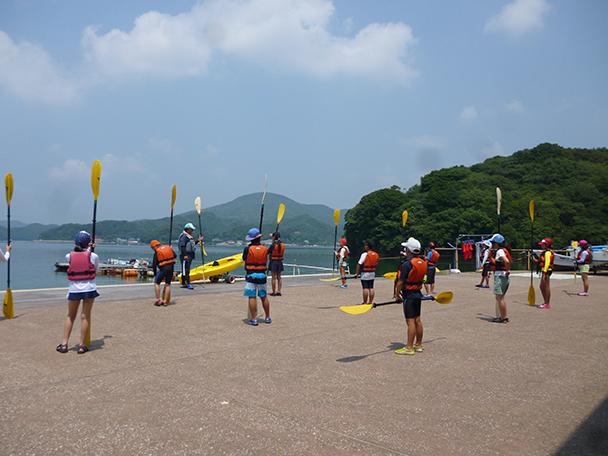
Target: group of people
[{"x": 496, "y": 259}]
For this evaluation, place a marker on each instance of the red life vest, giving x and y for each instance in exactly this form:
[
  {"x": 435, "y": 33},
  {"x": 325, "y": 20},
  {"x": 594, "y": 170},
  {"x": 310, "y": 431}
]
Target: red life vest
[
  {"x": 257, "y": 255},
  {"x": 371, "y": 261},
  {"x": 499, "y": 265},
  {"x": 434, "y": 257},
  {"x": 416, "y": 275},
  {"x": 589, "y": 258},
  {"x": 165, "y": 255},
  {"x": 278, "y": 251},
  {"x": 551, "y": 261},
  {"x": 80, "y": 267}
]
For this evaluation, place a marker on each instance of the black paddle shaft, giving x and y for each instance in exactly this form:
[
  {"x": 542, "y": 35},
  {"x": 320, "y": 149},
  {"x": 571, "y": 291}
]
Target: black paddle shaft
[
  {"x": 200, "y": 228},
  {"x": 8, "y": 236},
  {"x": 261, "y": 216},
  {"x": 171, "y": 227},
  {"x": 424, "y": 298}
]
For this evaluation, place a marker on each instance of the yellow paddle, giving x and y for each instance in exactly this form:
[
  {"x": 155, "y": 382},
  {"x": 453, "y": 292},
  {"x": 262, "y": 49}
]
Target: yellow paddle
[
  {"x": 7, "y": 303},
  {"x": 336, "y": 222},
  {"x": 199, "y": 209},
  {"x": 173, "y": 196},
  {"x": 280, "y": 215},
  {"x": 531, "y": 292},
  {"x": 393, "y": 275},
  {"x": 95, "y": 181},
  {"x": 403, "y": 218},
  {"x": 498, "y": 205},
  {"x": 445, "y": 297},
  {"x": 335, "y": 279}
]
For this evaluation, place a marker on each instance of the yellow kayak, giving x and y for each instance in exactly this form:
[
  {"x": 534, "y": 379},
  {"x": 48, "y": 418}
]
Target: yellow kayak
[{"x": 216, "y": 268}]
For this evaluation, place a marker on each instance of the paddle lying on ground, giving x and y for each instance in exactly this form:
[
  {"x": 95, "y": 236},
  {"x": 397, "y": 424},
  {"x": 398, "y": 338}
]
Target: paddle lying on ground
[
  {"x": 335, "y": 279},
  {"x": 95, "y": 181},
  {"x": 280, "y": 215},
  {"x": 7, "y": 303},
  {"x": 445, "y": 297},
  {"x": 199, "y": 209},
  {"x": 531, "y": 292}
]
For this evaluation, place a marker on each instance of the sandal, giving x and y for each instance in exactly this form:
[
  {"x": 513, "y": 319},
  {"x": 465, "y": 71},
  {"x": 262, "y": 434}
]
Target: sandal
[
  {"x": 62, "y": 348},
  {"x": 158, "y": 302},
  {"x": 82, "y": 349}
]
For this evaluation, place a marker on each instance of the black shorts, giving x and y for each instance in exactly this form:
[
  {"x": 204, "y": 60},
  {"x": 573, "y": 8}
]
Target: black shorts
[
  {"x": 430, "y": 274},
  {"x": 411, "y": 307},
  {"x": 367, "y": 284},
  {"x": 164, "y": 273},
  {"x": 276, "y": 266},
  {"x": 485, "y": 270}
]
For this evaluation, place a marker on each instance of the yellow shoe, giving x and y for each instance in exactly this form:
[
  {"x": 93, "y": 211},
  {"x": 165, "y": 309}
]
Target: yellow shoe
[
  {"x": 405, "y": 351},
  {"x": 418, "y": 348}
]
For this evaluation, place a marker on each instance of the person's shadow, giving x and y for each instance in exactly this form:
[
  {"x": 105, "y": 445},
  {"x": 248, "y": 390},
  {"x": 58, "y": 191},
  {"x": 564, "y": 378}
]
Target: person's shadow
[
  {"x": 485, "y": 317},
  {"x": 99, "y": 344},
  {"x": 391, "y": 347}
]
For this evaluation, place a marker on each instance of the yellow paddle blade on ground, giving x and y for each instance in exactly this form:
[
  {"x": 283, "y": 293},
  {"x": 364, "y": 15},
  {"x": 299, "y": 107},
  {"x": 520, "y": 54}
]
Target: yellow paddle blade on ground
[
  {"x": 390, "y": 275},
  {"x": 445, "y": 297},
  {"x": 333, "y": 279},
  {"x": 7, "y": 304},
  {"x": 531, "y": 296},
  {"x": 403, "y": 218},
  {"x": 357, "y": 310},
  {"x": 8, "y": 187},
  {"x": 95, "y": 178},
  {"x": 281, "y": 213}
]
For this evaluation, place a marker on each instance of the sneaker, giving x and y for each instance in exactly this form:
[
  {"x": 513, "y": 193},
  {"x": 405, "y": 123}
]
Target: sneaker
[
  {"x": 485, "y": 286},
  {"x": 418, "y": 348},
  {"x": 582, "y": 293},
  {"x": 189, "y": 287},
  {"x": 268, "y": 320},
  {"x": 478, "y": 286},
  {"x": 405, "y": 351},
  {"x": 541, "y": 306},
  {"x": 343, "y": 286},
  {"x": 547, "y": 306},
  {"x": 252, "y": 322}
]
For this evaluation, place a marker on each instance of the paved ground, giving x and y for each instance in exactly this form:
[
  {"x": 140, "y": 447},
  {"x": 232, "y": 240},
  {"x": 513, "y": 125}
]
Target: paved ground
[{"x": 192, "y": 378}]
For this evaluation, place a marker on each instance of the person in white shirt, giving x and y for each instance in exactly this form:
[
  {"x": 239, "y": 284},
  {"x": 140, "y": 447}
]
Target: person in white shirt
[
  {"x": 4, "y": 256},
  {"x": 501, "y": 264},
  {"x": 342, "y": 257}
]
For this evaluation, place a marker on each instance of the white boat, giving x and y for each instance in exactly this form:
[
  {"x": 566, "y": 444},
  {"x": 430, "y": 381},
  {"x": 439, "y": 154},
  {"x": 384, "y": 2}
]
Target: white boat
[{"x": 566, "y": 261}]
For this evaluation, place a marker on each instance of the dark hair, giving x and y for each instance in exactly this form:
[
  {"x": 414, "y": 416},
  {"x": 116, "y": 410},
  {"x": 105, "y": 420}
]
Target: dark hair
[
  {"x": 369, "y": 244},
  {"x": 256, "y": 241},
  {"x": 276, "y": 236},
  {"x": 77, "y": 248}
]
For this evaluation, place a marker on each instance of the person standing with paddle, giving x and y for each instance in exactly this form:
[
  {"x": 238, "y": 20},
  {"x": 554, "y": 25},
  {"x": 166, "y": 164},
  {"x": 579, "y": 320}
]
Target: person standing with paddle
[
  {"x": 411, "y": 276},
  {"x": 366, "y": 269},
  {"x": 4, "y": 256},
  {"x": 276, "y": 252},
  {"x": 501, "y": 266},
  {"x": 255, "y": 256},
  {"x": 187, "y": 252},
  {"x": 547, "y": 257},
  {"x": 342, "y": 258},
  {"x": 82, "y": 271},
  {"x": 432, "y": 257}
]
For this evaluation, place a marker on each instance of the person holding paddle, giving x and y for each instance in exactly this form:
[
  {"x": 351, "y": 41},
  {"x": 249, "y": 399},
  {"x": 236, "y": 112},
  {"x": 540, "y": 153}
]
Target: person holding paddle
[
  {"x": 4, "y": 256},
  {"x": 500, "y": 260},
  {"x": 547, "y": 257},
  {"x": 276, "y": 252},
  {"x": 411, "y": 276},
  {"x": 187, "y": 251},
  {"x": 82, "y": 270},
  {"x": 342, "y": 258},
  {"x": 255, "y": 256},
  {"x": 366, "y": 269}
]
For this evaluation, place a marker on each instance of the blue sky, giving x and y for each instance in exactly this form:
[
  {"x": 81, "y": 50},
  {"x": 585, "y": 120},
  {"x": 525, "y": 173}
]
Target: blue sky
[{"x": 332, "y": 99}]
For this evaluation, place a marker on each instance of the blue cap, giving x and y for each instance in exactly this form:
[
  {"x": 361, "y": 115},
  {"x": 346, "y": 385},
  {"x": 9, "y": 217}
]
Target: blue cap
[
  {"x": 83, "y": 239},
  {"x": 252, "y": 234},
  {"x": 498, "y": 238}
]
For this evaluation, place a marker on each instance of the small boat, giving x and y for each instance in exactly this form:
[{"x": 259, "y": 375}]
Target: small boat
[
  {"x": 214, "y": 270},
  {"x": 566, "y": 261}
]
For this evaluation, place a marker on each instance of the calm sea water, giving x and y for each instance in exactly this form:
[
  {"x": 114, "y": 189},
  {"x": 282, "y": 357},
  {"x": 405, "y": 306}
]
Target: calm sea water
[{"x": 32, "y": 263}]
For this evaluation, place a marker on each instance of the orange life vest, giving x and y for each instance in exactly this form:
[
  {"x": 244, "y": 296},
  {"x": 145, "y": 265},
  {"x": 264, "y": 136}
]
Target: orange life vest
[
  {"x": 543, "y": 258},
  {"x": 371, "y": 261},
  {"x": 278, "y": 251},
  {"x": 416, "y": 275},
  {"x": 165, "y": 255},
  {"x": 257, "y": 255},
  {"x": 589, "y": 258},
  {"x": 434, "y": 257},
  {"x": 80, "y": 267},
  {"x": 499, "y": 265}
]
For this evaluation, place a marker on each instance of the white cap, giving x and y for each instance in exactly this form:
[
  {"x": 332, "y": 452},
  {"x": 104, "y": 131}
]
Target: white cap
[
  {"x": 413, "y": 245},
  {"x": 189, "y": 226}
]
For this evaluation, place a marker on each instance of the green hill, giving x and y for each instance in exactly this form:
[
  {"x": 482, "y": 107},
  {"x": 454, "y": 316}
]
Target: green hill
[
  {"x": 569, "y": 186},
  {"x": 312, "y": 223}
]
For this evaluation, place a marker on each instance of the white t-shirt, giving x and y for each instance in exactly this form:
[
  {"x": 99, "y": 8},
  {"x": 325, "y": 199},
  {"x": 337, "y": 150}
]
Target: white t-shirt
[
  {"x": 4, "y": 256},
  {"x": 501, "y": 256},
  {"x": 83, "y": 286},
  {"x": 366, "y": 275},
  {"x": 342, "y": 253}
]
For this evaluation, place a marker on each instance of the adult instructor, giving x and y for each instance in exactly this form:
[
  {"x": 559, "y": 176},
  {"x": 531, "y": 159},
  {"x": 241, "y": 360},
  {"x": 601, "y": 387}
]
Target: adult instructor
[{"x": 187, "y": 252}]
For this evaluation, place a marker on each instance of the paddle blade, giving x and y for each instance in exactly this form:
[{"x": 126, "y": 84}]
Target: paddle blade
[
  {"x": 390, "y": 275},
  {"x": 173, "y": 195},
  {"x": 445, "y": 297},
  {"x": 336, "y": 216},
  {"x": 265, "y": 187},
  {"x": 332, "y": 279},
  {"x": 197, "y": 205},
  {"x": 8, "y": 187},
  {"x": 498, "y": 200},
  {"x": 404, "y": 218},
  {"x": 204, "y": 251},
  {"x": 7, "y": 304},
  {"x": 281, "y": 213},
  {"x": 531, "y": 207},
  {"x": 95, "y": 178},
  {"x": 531, "y": 296},
  {"x": 357, "y": 310}
]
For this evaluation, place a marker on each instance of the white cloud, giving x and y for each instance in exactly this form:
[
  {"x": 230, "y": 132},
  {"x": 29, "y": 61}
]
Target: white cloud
[
  {"x": 468, "y": 113},
  {"x": 70, "y": 170},
  {"x": 29, "y": 72},
  {"x": 518, "y": 17},
  {"x": 287, "y": 34},
  {"x": 515, "y": 106},
  {"x": 492, "y": 149}
]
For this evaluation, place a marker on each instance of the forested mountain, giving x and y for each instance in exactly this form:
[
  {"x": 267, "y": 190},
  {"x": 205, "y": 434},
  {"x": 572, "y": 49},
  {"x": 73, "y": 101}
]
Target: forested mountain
[{"x": 569, "y": 186}]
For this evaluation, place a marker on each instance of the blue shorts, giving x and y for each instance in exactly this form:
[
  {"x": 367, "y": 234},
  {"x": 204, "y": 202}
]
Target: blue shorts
[
  {"x": 254, "y": 289},
  {"x": 276, "y": 266},
  {"x": 82, "y": 295}
]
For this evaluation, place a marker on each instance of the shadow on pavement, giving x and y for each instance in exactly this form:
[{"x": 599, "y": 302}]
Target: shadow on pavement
[
  {"x": 591, "y": 437},
  {"x": 391, "y": 347},
  {"x": 98, "y": 344}
]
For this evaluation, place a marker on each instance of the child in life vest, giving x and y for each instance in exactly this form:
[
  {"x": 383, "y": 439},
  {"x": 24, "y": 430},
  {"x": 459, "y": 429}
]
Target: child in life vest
[
  {"x": 547, "y": 257},
  {"x": 500, "y": 260},
  {"x": 583, "y": 262},
  {"x": 276, "y": 252},
  {"x": 164, "y": 261},
  {"x": 82, "y": 270},
  {"x": 342, "y": 257},
  {"x": 432, "y": 257},
  {"x": 366, "y": 269},
  {"x": 409, "y": 286},
  {"x": 255, "y": 256}
]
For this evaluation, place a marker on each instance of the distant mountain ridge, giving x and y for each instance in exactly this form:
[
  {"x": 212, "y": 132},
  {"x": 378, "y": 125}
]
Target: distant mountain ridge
[{"x": 302, "y": 223}]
